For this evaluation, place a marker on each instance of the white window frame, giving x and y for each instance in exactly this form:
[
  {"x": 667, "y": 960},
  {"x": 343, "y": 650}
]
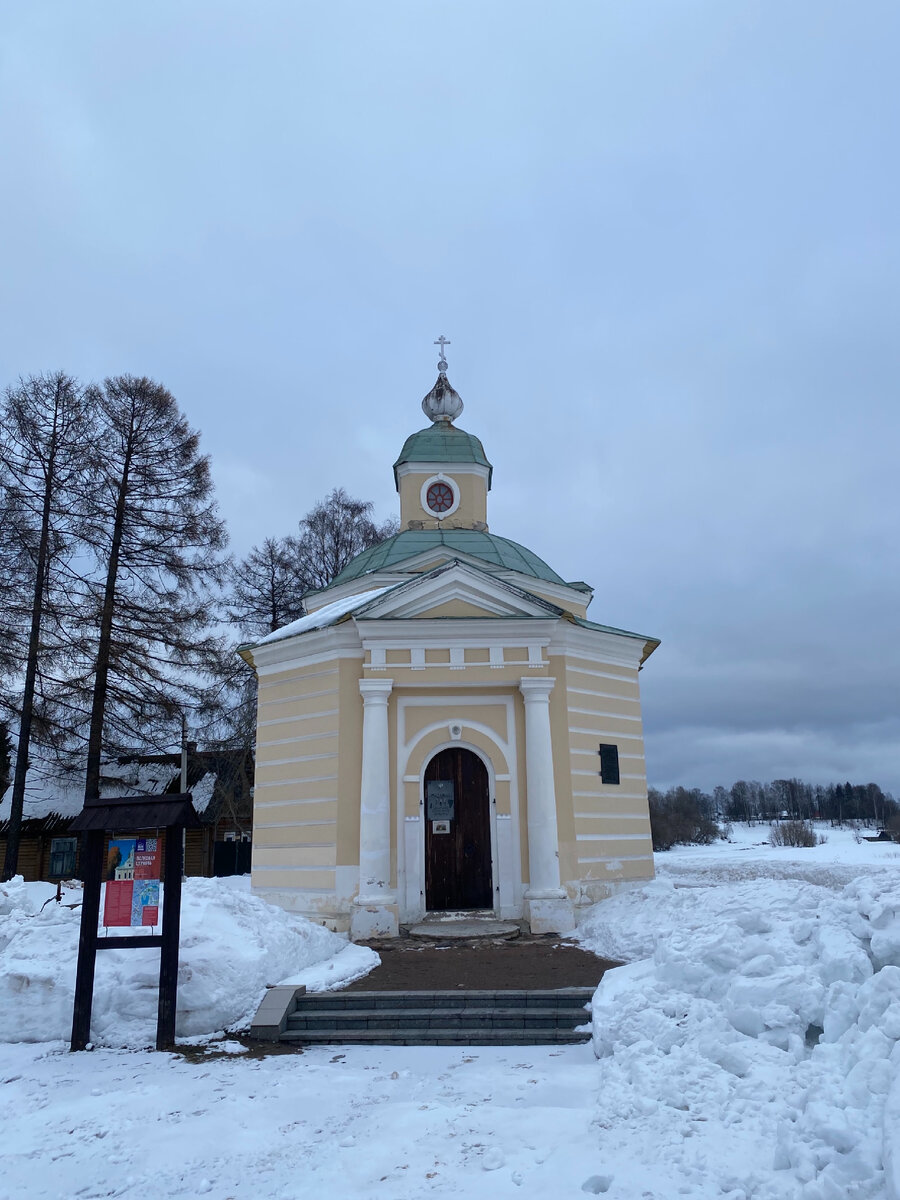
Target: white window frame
[{"x": 454, "y": 487}]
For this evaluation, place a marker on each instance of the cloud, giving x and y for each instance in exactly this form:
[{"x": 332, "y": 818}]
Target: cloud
[{"x": 665, "y": 247}]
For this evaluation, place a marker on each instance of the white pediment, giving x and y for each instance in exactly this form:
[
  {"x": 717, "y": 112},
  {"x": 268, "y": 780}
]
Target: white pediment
[{"x": 456, "y": 589}]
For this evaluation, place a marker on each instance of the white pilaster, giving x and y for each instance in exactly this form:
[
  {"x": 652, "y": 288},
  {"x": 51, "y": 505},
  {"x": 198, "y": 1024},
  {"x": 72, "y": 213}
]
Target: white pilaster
[
  {"x": 375, "y": 907},
  {"x": 549, "y": 909}
]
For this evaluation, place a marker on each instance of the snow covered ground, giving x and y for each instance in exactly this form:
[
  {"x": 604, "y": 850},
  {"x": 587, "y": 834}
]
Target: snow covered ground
[
  {"x": 749, "y": 1051},
  {"x": 233, "y": 945},
  {"x": 760, "y": 1016}
]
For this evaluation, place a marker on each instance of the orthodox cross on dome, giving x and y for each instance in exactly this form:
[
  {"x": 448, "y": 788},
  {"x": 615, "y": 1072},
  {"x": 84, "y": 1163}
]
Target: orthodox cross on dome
[
  {"x": 442, "y": 404},
  {"x": 442, "y": 365}
]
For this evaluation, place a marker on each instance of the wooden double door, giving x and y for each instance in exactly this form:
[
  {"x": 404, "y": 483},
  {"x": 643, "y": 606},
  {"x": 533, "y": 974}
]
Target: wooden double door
[{"x": 457, "y": 832}]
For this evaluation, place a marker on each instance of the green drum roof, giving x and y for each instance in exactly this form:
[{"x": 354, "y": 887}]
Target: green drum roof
[
  {"x": 443, "y": 443},
  {"x": 498, "y": 551}
]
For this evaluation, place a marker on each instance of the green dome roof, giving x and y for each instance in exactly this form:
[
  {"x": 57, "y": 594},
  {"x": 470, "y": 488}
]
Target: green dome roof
[
  {"x": 443, "y": 443},
  {"x": 498, "y": 551}
]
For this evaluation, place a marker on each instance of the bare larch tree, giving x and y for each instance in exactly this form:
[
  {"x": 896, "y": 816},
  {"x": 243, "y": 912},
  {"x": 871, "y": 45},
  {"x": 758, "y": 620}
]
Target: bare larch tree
[
  {"x": 157, "y": 541},
  {"x": 333, "y": 533},
  {"x": 266, "y": 588},
  {"x": 45, "y": 433}
]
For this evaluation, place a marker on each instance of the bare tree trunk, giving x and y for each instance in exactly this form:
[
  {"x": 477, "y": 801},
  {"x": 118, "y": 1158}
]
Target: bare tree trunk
[
  {"x": 101, "y": 675},
  {"x": 17, "y": 801}
]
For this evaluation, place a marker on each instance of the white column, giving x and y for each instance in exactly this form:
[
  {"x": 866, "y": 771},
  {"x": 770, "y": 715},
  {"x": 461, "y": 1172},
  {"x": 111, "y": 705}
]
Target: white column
[
  {"x": 549, "y": 909},
  {"x": 375, "y": 911}
]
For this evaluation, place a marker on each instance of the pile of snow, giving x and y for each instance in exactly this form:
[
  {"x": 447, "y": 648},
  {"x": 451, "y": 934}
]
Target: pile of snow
[
  {"x": 233, "y": 945},
  {"x": 768, "y": 1009}
]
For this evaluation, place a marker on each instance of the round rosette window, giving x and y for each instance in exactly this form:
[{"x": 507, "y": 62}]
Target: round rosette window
[{"x": 440, "y": 497}]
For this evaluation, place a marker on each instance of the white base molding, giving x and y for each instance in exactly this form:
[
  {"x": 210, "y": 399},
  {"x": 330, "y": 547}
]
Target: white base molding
[
  {"x": 369, "y": 921},
  {"x": 556, "y": 915}
]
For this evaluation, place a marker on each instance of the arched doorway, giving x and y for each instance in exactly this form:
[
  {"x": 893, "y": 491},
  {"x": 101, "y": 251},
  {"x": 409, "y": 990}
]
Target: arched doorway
[{"x": 457, "y": 832}]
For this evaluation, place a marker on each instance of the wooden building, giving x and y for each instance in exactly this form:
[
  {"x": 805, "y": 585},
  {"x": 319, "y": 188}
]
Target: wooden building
[{"x": 218, "y": 780}]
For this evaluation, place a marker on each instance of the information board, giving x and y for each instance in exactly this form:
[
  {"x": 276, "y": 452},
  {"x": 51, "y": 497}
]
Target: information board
[{"x": 132, "y": 882}]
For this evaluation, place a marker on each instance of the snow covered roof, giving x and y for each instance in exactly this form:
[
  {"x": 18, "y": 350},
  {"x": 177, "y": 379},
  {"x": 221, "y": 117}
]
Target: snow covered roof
[
  {"x": 134, "y": 777},
  {"x": 328, "y": 614},
  {"x": 48, "y": 789},
  {"x": 202, "y": 791}
]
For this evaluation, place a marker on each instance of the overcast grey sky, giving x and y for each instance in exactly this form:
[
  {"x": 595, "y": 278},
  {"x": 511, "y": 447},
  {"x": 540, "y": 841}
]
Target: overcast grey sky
[{"x": 662, "y": 238}]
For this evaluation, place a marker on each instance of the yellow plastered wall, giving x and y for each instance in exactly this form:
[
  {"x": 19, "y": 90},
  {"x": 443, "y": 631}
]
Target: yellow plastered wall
[
  {"x": 611, "y": 821},
  {"x": 472, "y": 509},
  {"x": 562, "y": 778},
  {"x": 349, "y": 762},
  {"x": 455, "y": 608},
  {"x": 418, "y": 718},
  {"x": 295, "y": 805}
]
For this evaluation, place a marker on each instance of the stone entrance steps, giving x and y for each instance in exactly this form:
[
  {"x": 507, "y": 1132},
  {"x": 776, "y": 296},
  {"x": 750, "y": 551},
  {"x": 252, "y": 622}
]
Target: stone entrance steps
[{"x": 440, "y": 1018}]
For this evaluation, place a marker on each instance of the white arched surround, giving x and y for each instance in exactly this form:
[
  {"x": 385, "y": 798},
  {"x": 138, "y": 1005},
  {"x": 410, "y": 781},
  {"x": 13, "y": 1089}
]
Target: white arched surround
[{"x": 414, "y": 754}]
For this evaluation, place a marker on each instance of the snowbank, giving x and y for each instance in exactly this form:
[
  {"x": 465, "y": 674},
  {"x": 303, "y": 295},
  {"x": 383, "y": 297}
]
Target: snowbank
[
  {"x": 233, "y": 945},
  {"x": 769, "y": 1005}
]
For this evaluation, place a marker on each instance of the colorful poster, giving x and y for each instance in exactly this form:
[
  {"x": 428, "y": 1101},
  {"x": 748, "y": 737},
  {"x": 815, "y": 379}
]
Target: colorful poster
[
  {"x": 118, "y": 902},
  {"x": 147, "y": 858},
  {"x": 132, "y": 882},
  {"x": 145, "y": 902},
  {"x": 120, "y": 858}
]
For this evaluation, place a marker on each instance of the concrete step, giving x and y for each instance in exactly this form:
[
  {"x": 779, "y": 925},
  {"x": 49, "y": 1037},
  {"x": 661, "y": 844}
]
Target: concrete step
[
  {"x": 561, "y": 999},
  {"x": 465, "y": 928},
  {"x": 432, "y": 1018},
  {"x": 309, "y": 1017},
  {"x": 432, "y": 1036}
]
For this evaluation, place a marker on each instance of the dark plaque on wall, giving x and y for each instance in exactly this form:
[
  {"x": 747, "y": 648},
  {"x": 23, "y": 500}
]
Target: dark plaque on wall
[{"x": 439, "y": 799}]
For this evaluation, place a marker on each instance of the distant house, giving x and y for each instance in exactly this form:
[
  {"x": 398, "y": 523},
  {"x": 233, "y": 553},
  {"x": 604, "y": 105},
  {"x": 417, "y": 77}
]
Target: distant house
[{"x": 219, "y": 782}]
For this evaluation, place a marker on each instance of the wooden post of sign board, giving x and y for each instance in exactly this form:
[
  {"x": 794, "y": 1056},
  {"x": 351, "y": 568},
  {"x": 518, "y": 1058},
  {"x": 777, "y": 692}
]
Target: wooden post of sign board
[
  {"x": 171, "y": 923},
  {"x": 91, "y": 870}
]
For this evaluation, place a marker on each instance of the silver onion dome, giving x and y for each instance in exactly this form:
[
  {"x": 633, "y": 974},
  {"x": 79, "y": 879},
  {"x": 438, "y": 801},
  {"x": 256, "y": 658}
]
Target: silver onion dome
[{"x": 443, "y": 402}]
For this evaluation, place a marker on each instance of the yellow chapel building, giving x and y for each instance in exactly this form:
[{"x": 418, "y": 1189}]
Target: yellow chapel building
[{"x": 446, "y": 731}]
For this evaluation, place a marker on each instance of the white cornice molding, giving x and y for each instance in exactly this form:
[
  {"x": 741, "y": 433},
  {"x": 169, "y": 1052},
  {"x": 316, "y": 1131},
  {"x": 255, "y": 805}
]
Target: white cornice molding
[
  {"x": 431, "y": 468},
  {"x": 354, "y": 637},
  {"x": 304, "y": 649},
  {"x": 619, "y": 649},
  {"x": 471, "y": 632},
  {"x": 559, "y": 591}
]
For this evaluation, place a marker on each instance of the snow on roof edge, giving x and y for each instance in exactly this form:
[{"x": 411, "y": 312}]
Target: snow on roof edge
[{"x": 328, "y": 614}]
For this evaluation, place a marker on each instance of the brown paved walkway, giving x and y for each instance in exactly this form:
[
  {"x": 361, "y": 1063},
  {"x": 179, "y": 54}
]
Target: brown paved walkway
[{"x": 524, "y": 962}]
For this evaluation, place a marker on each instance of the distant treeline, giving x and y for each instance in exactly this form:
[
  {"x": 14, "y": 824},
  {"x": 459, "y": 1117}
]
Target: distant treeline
[{"x": 689, "y": 815}]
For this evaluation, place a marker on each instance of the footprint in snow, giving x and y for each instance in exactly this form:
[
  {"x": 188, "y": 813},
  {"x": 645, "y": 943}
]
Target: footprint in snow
[{"x": 596, "y": 1185}]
